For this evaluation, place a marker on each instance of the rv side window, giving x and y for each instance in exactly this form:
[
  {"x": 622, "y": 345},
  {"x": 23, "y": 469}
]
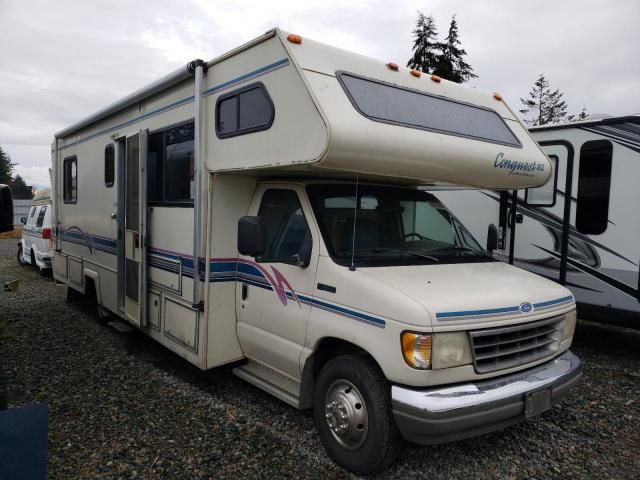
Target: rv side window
[
  {"x": 594, "y": 184},
  {"x": 243, "y": 111},
  {"x": 170, "y": 166},
  {"x": 383, "y": 102},
  {"x": 40, "y": 220},
  {"x": 545, "y": 195},
  {"x": 109, "y": 165},
  {"x": 288, "y": 235},
  {"x": 70, "y": 180}
]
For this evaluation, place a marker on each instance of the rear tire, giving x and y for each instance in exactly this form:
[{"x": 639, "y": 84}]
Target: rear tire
[
  {"x": 21, "y": 262},
  {"x": 352, "y": 414}
]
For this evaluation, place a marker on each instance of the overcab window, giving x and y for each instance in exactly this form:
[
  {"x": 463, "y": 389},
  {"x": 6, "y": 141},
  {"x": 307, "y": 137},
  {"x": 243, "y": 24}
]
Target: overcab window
[
  {"x": 243, "y": 111},
  {"x": 387, "y": 103},
  {"x": 170, "y": 166}
]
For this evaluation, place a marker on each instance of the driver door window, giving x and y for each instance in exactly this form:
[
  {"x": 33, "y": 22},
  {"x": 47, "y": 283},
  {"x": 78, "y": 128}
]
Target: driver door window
[{"x": 288, "y": 234}]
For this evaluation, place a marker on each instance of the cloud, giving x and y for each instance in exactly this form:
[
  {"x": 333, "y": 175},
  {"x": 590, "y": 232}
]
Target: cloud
[{"x": 61, "y": 61}]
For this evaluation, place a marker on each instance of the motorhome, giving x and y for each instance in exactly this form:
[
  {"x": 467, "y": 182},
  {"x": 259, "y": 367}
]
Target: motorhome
[
  {"x": 263, "y": 209},
  {"x": 579, "y": 228}
]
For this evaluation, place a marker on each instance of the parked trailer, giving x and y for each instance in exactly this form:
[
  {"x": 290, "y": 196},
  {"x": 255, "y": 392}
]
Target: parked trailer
[
  {"x": 264, "y": 207},
  {"x": 587, "y": 243}
]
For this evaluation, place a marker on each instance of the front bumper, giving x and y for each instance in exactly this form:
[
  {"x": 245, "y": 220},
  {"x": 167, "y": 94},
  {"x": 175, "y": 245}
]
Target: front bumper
[{"x": 465, "y": 410}]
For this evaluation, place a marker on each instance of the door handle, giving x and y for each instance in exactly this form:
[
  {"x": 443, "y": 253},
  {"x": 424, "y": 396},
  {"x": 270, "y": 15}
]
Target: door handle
[
  {"x": 245, "y": 291},
  {"x": 114, "y": 215}
]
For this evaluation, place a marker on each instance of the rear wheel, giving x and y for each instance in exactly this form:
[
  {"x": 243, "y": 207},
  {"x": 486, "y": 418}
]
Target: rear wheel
[
  {"x": 21, "y": 262},
  {"x": 352, "y": 413}
]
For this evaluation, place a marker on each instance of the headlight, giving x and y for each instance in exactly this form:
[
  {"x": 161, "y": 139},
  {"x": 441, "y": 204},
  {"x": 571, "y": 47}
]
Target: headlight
[
  {"x": 450, "y": 350},
  {"x": 569, "y": 325},
  {"x": 416, "y": 349}
]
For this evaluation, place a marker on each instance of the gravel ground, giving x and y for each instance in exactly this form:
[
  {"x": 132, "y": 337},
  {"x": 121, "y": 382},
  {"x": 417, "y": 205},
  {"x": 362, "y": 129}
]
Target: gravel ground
[{"x": 122, "y": 406}]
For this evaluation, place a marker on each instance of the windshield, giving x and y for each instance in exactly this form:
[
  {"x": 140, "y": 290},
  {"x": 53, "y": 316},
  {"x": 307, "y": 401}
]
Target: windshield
[{"x": 394, "y": 226}]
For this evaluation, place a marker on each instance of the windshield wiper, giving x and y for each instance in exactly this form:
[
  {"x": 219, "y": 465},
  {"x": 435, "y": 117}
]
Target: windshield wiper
[{"x": 397, "y": 250}]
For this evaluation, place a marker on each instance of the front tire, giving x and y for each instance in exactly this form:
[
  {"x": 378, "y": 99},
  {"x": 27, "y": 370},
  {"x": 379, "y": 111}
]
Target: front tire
[{"x": 352, "y": 413}]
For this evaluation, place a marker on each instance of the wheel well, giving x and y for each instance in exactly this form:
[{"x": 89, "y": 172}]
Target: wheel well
[{"x": 327, "y": 349}]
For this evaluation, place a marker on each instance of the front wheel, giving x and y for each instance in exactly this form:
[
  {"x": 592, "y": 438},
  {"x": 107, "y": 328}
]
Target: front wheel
[
  {"x": 21, "y": 262},
  {"x": 352, "y": 413}
]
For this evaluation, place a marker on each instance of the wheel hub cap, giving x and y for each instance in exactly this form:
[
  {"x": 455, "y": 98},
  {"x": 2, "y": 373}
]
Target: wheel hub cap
[{"x": 346, "y": 414}]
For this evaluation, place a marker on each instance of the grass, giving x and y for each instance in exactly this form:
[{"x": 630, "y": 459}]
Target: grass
[{"x": 16, "y": 234}]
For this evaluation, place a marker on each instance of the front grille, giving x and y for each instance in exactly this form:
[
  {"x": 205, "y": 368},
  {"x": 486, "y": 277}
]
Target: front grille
[{"x": 507, "y": 347}]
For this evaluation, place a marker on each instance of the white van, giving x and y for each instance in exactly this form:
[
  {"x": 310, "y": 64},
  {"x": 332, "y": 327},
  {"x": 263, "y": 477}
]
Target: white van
[
  {"x": 264, "y": 208},
  {"x": 35, "y": 246}
]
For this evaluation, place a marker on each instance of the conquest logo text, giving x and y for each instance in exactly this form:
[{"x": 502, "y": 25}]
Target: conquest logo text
[{"x": 524, "y": 169}]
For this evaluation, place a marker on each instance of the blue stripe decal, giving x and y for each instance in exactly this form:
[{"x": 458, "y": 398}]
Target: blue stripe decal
[
  {"x": 504, "y": 310},
  {"x": 488, "y": 311},
  {"x": 184, "y": 101},
  {"x": 260, "y": 71},
  {"x": 226, "y": 270},
  {"x": 553, "y": 302}
]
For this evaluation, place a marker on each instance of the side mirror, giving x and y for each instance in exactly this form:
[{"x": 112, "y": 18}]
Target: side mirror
[
  {"x": 6, "y": 209},
  {"x": 23, "y": 220},
  {"x": 252, "y": 236},
  {"x": 492, "y": 238}
]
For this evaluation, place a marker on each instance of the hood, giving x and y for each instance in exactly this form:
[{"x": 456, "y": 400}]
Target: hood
[{"x": 475, "y": 293}]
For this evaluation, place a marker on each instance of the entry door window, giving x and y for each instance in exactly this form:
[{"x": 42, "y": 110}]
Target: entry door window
[
  {"x": 288, "y": 234},
  {"x": 132, "y": 213}
]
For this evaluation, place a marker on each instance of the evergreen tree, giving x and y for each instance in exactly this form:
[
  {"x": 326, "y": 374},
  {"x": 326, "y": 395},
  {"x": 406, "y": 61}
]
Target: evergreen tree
[
  {"x": 425, "y": 44},
  {"x": 583, "y": 115},
  {"x": 20, "y": 189},
  {"x": 546, "y": 105},
  {"x": 6, "y": 167},
  {"x": 450, "y": 63}
]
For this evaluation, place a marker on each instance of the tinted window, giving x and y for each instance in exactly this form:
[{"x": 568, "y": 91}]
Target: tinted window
[
  {"x": 545, "y": 195},
  {"x": 43, "y": 210},
  {"x": 243, "y": 111},
  {"x": 170, "y": 166},
  {"x": 70, "y": 180},
  {"x": 288, "y": 235},
  {"x": 388, "y": 103},
  {"x": 393, "y": 226},
  {"x": 109, "y": 165},
  {"x": 594, "y": 184},
  {"x": 33, "y": 212}
]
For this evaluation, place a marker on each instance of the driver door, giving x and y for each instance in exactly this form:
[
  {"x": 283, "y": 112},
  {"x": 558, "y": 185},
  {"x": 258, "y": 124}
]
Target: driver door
[{"x": 274, "y": 291}]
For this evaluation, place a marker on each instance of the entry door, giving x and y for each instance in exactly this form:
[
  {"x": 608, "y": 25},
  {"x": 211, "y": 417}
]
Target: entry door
[
  {"x": 537, "y": 226},
  {"x": 135, "y": 231},
  {"x": 274, "y": 291}
]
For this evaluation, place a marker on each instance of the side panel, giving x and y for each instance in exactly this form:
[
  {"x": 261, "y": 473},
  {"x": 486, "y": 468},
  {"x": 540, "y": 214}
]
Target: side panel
[
  {"x": 298, "y": 133},
  {"x": 231, "y": 197}
]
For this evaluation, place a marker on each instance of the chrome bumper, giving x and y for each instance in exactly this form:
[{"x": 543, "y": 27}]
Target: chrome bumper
[{"x": 465, "y": 410}]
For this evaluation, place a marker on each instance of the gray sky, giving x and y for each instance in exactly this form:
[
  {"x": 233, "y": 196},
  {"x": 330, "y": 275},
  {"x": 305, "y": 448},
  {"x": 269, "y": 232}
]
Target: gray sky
[{"x": 62, "y": 60}]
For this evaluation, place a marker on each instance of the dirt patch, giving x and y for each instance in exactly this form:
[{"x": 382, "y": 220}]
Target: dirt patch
[{"x": 16, "y": 234}]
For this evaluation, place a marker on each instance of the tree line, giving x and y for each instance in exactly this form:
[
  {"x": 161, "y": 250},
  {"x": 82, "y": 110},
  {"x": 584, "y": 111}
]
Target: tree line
[
  {"x": 446, "y": 59},
  {"x": 17, "y": 184}
]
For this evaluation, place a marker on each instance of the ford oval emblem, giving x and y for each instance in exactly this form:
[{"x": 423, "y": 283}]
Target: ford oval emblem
[{"x": 526, "y": 307}]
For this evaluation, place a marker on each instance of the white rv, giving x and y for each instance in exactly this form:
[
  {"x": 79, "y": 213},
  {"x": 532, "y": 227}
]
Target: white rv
[
  {"x": 586, "y": 239},
  {"x": 263, "y": 208}
]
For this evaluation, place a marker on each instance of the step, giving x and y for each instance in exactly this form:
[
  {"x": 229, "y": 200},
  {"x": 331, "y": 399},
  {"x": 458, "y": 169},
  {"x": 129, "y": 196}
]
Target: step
[{"x": 271, "y": 381}]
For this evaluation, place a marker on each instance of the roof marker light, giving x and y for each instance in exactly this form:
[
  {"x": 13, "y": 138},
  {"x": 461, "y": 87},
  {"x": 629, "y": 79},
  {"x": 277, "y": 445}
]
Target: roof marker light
[
  {"x": 416, "y": 73},
  {"x": 497, "y": 96},
  {"x": 293, "y": 38},
  {"x": 436, "y": 78},
  {"x": 392, "y": 66}
]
